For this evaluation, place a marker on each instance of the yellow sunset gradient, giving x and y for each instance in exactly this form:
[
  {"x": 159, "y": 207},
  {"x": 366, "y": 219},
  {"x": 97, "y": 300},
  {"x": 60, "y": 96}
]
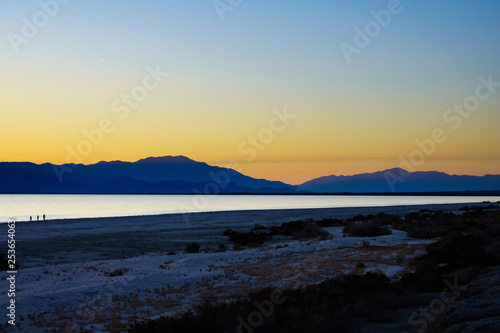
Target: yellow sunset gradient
[{"x": 63, "y": 93}]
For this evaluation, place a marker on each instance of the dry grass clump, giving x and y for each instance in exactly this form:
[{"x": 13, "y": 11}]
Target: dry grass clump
[{"x": 119, "y": 271}]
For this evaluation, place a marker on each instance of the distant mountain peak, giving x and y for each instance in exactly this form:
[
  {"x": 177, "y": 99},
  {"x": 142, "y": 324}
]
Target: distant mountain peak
[
  {"x": 110, "y": 162},
  {"x": 166, "y": 159},
  {"x": 163, "y": 174},
  {"x": 400, "y": 180},
  {"x": 398, "y": 170}
]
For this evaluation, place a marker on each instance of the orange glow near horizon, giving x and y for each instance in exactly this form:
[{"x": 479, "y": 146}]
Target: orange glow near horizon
[{"x": 216, "y": 91}]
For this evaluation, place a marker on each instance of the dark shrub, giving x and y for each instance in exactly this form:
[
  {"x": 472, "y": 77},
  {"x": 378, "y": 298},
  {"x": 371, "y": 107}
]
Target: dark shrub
[
  {"x": 326, "y": 223},
  {"x": 464, "y": 276},
  {"x": 365, "y": 230},
  {"x": 297, "y": 229},
  {"x": 289, "y": 228},
  {"x": 246, "y": 238},
  {"x": 311, "y": 231},
  {"x": 459, "y": 251},
  {"x": 427, "y": 225},
  {"x": 300, "y": 230},
  {"x": 382, "y": 219},
  {"x": 192, "y": 247},
  {"x": 119, "y": 271},
  {"x": 417, "y": 233},
  {"x": 335, "y": 305},
  {"x": 258, "y": 227},
  {"x": 359, "y": 217}
]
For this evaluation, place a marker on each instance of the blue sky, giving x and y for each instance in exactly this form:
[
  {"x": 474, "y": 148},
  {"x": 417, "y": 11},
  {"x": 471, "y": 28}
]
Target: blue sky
[{"x": 227, "y": 76}]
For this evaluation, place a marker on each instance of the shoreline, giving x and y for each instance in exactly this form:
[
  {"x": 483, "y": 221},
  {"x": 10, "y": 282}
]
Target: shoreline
[
  {"x": 81, "y": 240},
  {"x": 403, "y": 208},
  {"x": 78, "y": 210},
  {"x": 425, "y": 194},
  {"x": 66, "y": 266}
]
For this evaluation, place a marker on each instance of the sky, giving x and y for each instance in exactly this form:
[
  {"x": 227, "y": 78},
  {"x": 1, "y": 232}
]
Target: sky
[{"x": 283, "y": 90}]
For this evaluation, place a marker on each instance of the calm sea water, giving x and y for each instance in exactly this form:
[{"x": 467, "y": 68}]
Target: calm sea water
[{"x": 22, "y": 206}]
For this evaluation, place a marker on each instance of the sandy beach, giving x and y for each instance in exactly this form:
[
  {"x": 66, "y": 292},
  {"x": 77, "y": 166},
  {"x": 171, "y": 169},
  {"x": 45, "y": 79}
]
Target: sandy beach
[
  {"x": 64, "y": 278},
  {"x": 82, "y": 240}
]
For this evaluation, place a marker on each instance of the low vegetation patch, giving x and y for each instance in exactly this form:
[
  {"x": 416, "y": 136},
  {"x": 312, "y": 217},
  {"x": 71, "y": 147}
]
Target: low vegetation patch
[
  {"x": 192, "y": 247},
  {"x": 365, "y": 229},
  {"x": 252, "y": 238},
  {"x": 336, "y": 305},
  {"x": 119, "y": 272},
  {"x": 370, "y": 225},
  {"x": 310, "y": 230},
  {"x": 300, "y": 230},
  {"x": 469, "y": 241}
]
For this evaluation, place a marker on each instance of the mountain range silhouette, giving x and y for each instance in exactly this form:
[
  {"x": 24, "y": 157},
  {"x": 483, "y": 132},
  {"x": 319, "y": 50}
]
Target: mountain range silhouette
[{"x": 182, "y": 175}]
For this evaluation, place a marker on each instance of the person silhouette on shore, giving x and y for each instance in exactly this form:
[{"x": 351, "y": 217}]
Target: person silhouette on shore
[
  {"x": 31, "y": 218},
  {"x": 38, "y": 217},
  {"x": 44, "y": 217}
]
